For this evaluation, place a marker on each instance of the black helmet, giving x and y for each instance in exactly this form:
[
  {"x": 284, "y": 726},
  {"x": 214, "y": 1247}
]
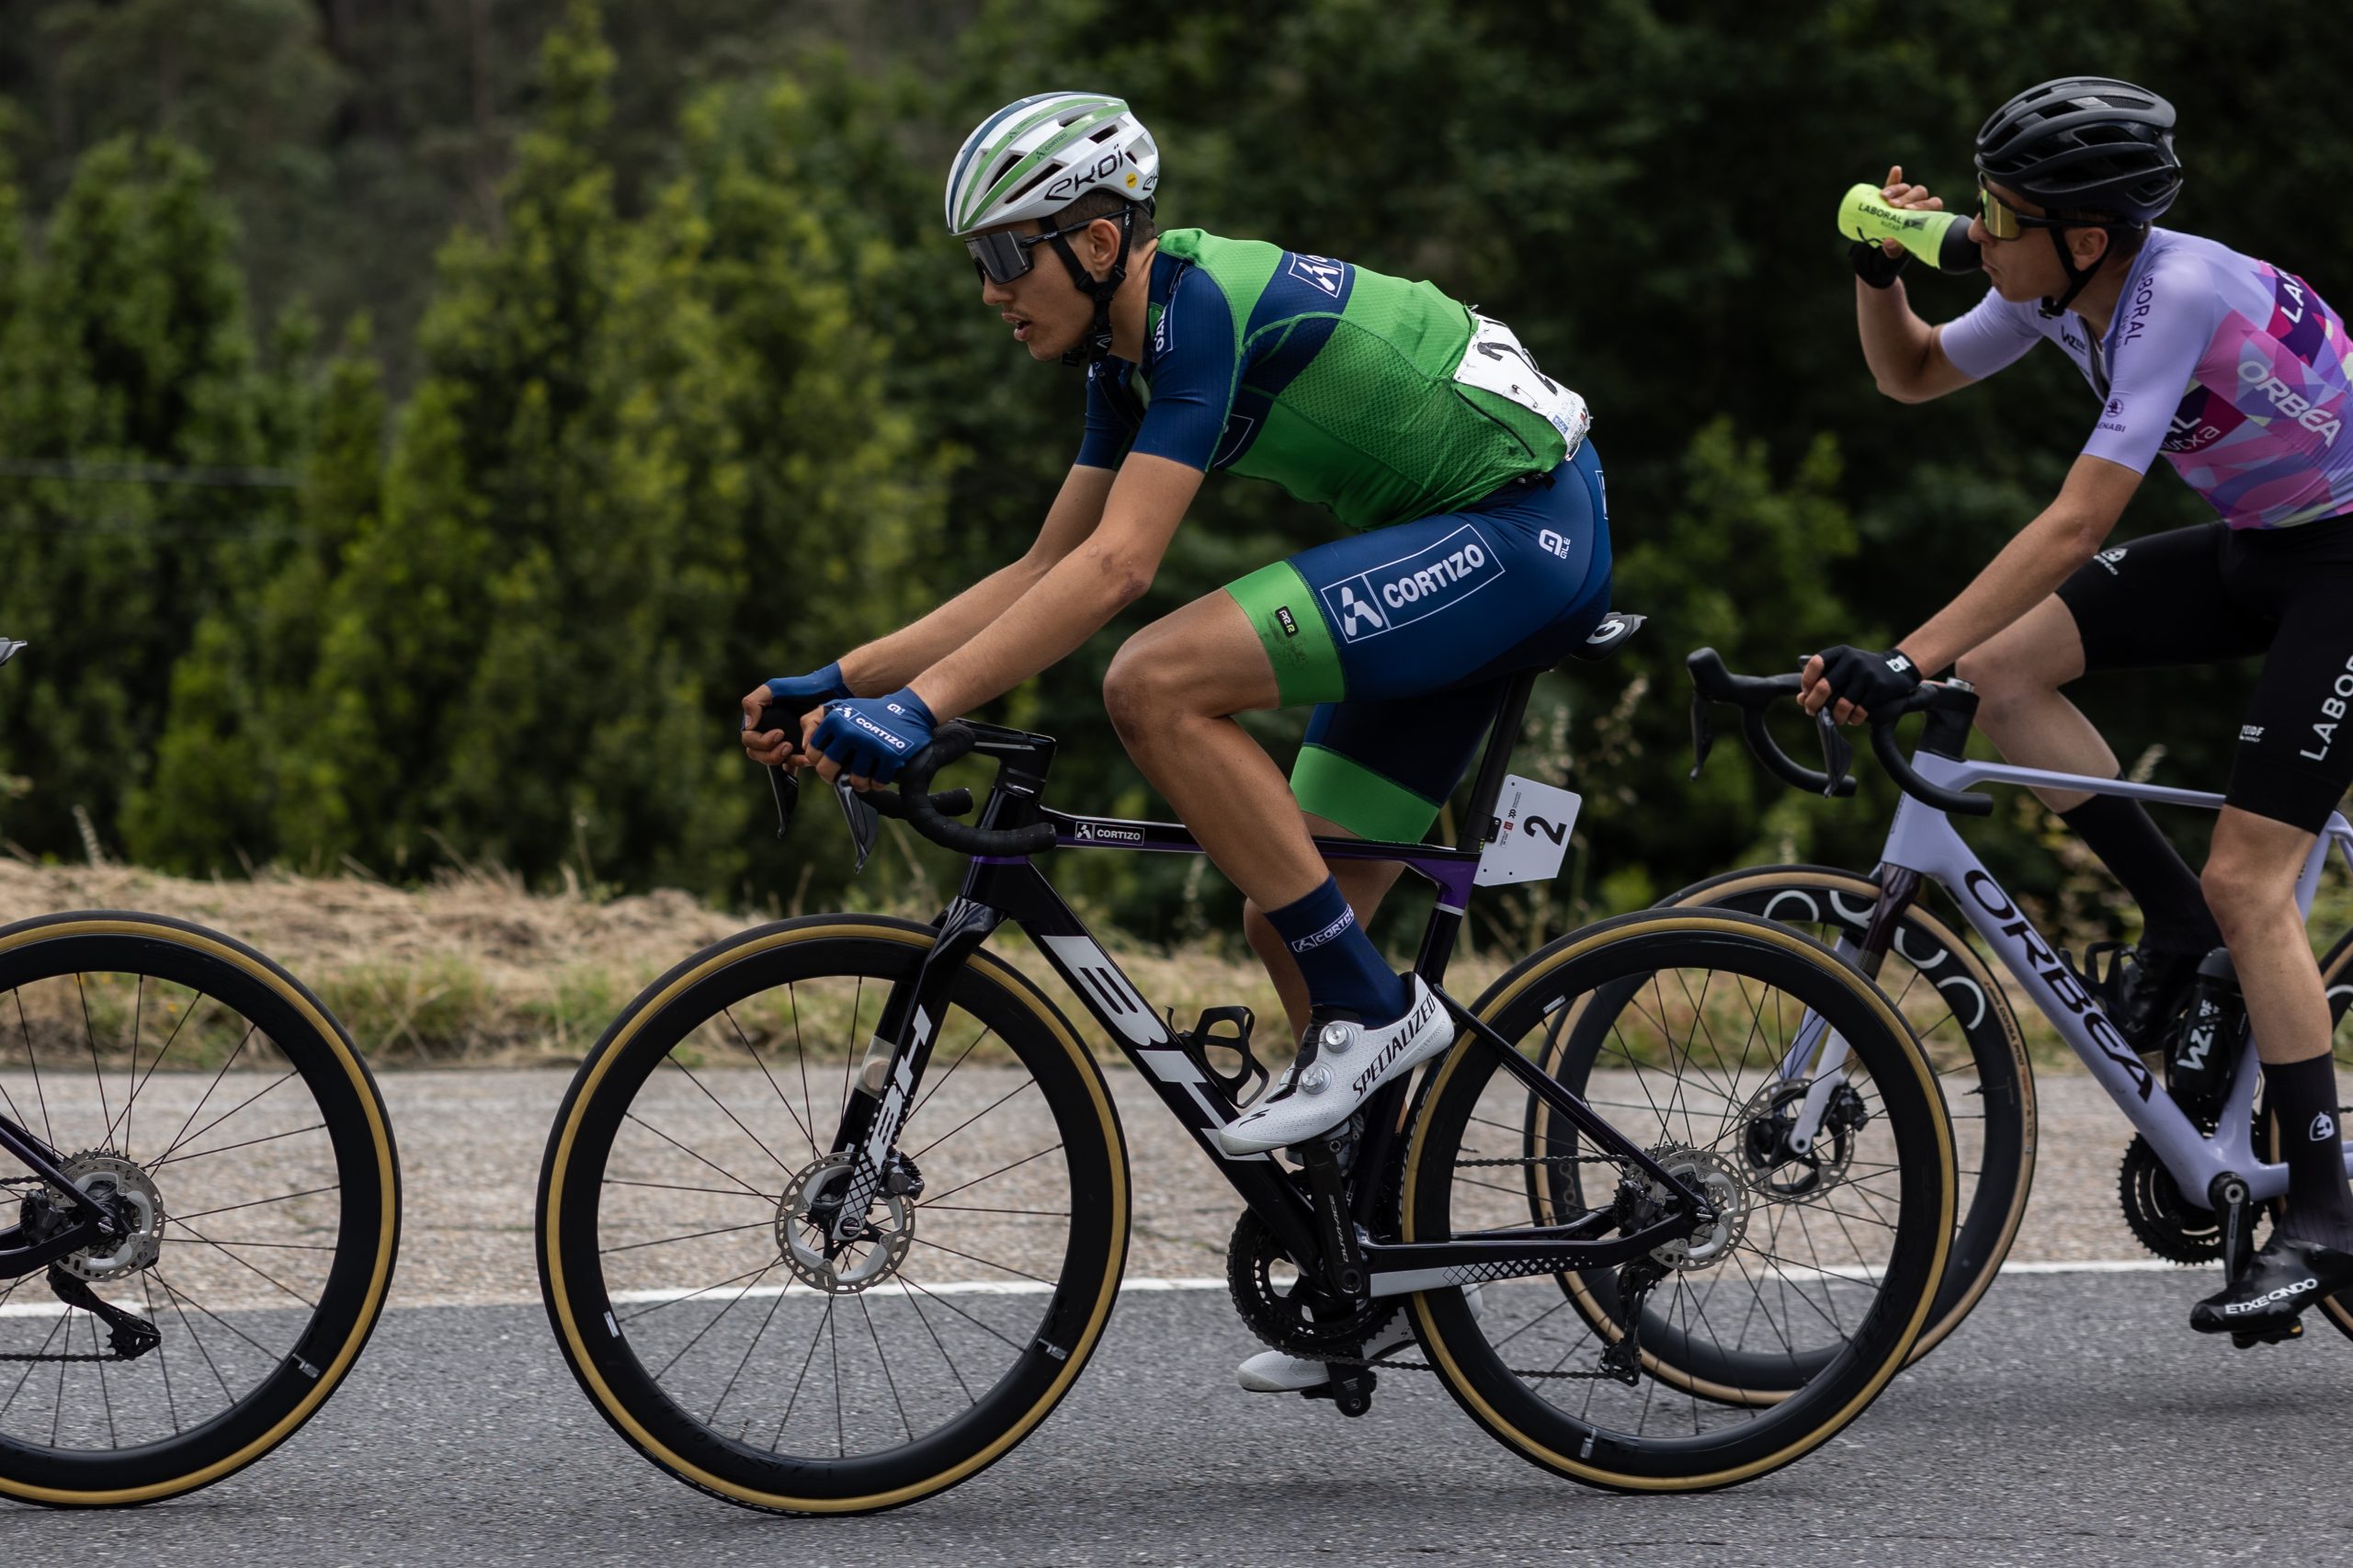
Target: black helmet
[{"x": 2085, "y": 143}]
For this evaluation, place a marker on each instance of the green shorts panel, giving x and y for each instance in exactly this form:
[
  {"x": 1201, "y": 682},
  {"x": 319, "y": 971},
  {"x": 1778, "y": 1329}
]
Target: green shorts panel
[
  {"x": 1341, "y": 790},
  {"x": 1292, "y": 631}
]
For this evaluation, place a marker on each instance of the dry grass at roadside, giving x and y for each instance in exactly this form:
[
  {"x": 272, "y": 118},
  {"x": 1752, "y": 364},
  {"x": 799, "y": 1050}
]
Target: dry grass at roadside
[{"x": 475, "y": 970}]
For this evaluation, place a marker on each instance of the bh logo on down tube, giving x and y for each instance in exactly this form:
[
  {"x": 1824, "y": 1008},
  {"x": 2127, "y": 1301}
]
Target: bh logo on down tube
[{"x": 1411, "y": 587}]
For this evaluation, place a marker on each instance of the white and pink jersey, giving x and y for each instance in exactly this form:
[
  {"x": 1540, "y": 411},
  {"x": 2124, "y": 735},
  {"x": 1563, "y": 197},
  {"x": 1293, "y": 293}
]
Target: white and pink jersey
[{"x": 2236, "y": 370}]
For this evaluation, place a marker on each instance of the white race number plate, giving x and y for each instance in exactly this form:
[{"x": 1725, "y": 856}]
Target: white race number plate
[{"x": 1532, "y": 835}]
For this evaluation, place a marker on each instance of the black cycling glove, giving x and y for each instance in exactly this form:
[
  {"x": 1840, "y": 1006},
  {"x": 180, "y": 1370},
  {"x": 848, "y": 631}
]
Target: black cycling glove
[
  {"x": 1873, "y": 682},
  {"x": 1873, "y": 265}
]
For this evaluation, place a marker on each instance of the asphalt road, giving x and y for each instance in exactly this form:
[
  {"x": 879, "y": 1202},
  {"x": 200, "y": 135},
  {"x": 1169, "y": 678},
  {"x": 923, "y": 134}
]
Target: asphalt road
[{"x": 2074, "y": 1419}]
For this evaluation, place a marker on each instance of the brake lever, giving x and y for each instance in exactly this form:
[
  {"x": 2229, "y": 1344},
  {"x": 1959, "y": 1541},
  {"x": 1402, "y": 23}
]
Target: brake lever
[
  {"x": 786, "y": 787},
  {"x": 1838, "y": 752},
  {"x": 1703, "y": 734},
  {"x": 865, "y": 822}
]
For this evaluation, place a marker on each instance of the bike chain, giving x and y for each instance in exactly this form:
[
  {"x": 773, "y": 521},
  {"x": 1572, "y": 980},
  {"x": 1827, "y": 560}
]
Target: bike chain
[{"x": 1598, "y": 1374}]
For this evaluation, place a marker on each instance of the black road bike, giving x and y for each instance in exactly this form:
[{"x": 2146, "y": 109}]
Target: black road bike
[
  {"x": 203, "y": 1230},
  {"x": 836, "y": 1211}
]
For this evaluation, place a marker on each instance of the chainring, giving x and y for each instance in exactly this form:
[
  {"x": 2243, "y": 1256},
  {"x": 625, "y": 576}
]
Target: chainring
[
  {"x": 1297, "y": 1317},
  {"x": 2160, "y": 1218}
]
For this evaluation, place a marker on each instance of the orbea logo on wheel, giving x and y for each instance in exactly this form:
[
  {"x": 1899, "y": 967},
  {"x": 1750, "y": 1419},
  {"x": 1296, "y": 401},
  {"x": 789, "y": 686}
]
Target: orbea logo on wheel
[{"x": 1399, "y": 592}]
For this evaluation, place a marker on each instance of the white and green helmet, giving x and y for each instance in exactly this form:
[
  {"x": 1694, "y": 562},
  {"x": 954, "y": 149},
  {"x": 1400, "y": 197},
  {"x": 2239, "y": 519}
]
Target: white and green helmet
[{"x": 1034, "y": 157}]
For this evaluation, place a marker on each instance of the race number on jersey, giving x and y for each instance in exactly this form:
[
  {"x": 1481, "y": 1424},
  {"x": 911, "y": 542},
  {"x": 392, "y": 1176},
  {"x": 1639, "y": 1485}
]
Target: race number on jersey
[{"x": 1495, "y": 362}]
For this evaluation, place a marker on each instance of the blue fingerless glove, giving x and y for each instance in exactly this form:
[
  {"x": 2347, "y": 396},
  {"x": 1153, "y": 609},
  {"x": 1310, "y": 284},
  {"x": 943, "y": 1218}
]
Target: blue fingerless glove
[
  {"x": 873, "y": 737},
  {"x": 801, "y": 693}
]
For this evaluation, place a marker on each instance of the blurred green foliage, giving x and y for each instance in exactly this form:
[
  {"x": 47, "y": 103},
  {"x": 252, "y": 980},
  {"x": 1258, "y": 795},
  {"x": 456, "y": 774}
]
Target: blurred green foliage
[{"x": 577, "y": 369}]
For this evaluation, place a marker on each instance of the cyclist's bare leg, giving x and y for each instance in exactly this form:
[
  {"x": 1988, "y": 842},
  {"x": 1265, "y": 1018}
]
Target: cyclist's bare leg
[
  {"x": 2251, "y": 887},
  {"x": 1171, "y": 692},
  {"x": 2250, "y": 884},
  {"x": 1363, "y": 882},
  {"x": 2017, "y": 673}
]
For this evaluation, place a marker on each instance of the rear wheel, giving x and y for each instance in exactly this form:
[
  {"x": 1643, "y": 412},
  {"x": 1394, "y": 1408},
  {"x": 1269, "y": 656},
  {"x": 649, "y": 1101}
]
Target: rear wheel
[
  {"x": 198, "y": 1089},
  {"x": 1796, "y": 1306},
  {"x": 686, "y": 1270}
]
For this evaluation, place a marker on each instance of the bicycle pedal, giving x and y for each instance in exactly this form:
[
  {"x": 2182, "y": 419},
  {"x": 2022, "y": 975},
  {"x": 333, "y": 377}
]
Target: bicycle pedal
[
  {"x": 1349, "y": 1389},
  {"x": 2249, "y": 1340}
]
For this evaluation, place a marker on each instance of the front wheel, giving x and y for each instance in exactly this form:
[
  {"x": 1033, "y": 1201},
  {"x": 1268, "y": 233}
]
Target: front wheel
[
  {"x": 1963, "y": 1020},
  {"x": 684, "y": 1253},
  {"x": 1683, "y": 1030}
]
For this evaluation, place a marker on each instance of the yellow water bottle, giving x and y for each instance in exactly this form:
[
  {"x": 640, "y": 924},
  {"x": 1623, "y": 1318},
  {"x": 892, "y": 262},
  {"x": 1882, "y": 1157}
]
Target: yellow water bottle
[{"x": 1940, "y": 239}]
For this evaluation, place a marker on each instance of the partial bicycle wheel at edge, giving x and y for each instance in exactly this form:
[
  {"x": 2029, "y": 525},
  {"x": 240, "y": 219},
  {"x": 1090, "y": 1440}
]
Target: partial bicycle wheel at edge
[
  {"x": 673, "y": 1238},
  {"x": 195, "y": 1080},
  {"x": 1715, "y": 992},
  {"x": 1962, "y": 1018}
]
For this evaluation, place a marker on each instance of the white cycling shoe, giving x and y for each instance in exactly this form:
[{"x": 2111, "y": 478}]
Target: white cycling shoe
[
  {"x": 1272, "y": 1371},
  {"x": 1337, "y": 1069}
]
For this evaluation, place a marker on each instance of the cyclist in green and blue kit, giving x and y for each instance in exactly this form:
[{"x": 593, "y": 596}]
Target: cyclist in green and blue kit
[{"x": 1481, "y": 549}]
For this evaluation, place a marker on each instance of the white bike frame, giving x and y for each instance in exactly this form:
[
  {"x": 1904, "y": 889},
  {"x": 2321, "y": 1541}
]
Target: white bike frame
[{"x": 1922, "y": 839}]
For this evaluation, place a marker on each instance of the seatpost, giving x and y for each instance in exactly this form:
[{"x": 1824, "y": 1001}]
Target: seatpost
[{"x": 1500, "y": 740}]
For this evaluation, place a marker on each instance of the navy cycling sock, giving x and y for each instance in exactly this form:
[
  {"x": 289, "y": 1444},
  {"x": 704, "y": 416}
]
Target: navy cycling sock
[
  {"x": 1341, "y": 966},
  {"x": 2302, "y": 1095},
  {"x": 2174, "y": 917}
]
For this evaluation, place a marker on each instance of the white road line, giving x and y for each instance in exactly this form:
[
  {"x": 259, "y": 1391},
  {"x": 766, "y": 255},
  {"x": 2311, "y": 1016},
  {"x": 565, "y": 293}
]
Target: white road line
[{"x": 1142, "y": 1286}]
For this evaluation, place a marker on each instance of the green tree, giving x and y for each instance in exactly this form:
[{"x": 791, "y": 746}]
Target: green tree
[{"x": 130, "y": 350}]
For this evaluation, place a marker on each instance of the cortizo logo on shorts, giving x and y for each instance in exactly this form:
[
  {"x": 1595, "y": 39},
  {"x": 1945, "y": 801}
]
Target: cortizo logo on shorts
[
  {"x": 2108, "y": 558},
  {"x": 1402, "y": 591}
]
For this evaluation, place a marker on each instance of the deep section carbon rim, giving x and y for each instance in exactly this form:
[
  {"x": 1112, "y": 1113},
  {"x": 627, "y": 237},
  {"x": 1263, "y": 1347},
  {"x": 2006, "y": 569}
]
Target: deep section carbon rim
[
  {"x": 1767, "y": 1331},
  {"x": 689, "y": 1178},
  {"x": 212, "y": 1100}
]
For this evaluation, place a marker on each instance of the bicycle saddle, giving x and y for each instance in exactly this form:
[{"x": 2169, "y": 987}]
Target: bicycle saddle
[{"x": 1616, "y": 627}]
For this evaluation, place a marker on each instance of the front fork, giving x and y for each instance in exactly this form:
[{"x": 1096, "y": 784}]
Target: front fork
[
  {"x": 1818, "y": 1052},
  {"x": 895, "y": 1060}
]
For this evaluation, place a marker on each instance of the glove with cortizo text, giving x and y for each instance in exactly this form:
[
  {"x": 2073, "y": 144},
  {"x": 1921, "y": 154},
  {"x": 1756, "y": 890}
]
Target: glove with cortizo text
[
  {"x": 1873, "y": 682},
  {"x": 873, "y": 737}
]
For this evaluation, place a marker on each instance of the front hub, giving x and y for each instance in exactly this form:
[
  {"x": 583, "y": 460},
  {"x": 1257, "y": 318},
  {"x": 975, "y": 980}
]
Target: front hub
[{"x": 806, "y": 1220}]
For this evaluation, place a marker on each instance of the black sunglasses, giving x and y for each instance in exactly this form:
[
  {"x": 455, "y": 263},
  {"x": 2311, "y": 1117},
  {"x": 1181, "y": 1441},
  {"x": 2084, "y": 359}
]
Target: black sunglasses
[{"x": 1001, "y": 255}]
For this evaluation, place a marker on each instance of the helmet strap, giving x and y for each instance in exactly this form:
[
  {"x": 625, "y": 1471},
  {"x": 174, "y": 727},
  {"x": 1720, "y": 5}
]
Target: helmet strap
[
  {"x": 1095, "y": 346},
  {"x": 2078, "y": 278}
]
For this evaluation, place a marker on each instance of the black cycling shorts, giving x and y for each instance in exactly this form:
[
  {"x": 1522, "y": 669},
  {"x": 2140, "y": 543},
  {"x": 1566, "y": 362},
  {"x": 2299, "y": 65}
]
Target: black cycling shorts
[{"x": 2200, "y": 596}]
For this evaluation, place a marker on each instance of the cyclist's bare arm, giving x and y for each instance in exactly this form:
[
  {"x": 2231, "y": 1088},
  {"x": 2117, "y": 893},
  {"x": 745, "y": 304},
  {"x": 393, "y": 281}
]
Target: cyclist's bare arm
[
  {"x": 1902, "y": 351},
  {"x": 889, "y": 662},
  {"x": 2029, "y": 568},
  {"x": 1075, "y": 595},
  {"x": 1901, "y": 348}
]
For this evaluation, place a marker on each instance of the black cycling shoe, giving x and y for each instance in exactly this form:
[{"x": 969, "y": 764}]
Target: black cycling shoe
[
  {"x": 2280, "y": 1281},
  {"x": 2144, "y": 991}
]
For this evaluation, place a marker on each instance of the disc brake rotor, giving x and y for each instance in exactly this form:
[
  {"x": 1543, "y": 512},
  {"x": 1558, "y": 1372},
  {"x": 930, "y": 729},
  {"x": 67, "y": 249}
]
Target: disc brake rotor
[
  {"x": 1775, "y": 1168},
  {"x": 126, "y": 1191},
  {"x": 1716, "y": 1179},
  {"x": 804, "y": 1217}
]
